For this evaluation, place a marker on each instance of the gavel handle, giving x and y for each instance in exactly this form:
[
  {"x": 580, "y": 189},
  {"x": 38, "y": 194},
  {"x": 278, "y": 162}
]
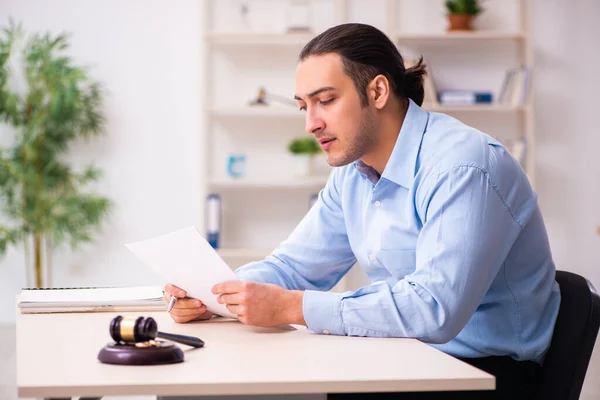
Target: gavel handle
[{"x": 189, "y": 340}]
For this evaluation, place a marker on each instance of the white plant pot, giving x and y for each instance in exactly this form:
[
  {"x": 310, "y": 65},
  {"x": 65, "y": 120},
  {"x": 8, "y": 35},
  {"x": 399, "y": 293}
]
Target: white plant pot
[{"x": 302, "y": 165}]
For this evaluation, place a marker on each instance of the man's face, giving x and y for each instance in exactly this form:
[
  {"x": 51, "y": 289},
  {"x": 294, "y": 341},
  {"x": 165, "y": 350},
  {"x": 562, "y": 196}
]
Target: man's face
[{"x": 344, "y": 129}]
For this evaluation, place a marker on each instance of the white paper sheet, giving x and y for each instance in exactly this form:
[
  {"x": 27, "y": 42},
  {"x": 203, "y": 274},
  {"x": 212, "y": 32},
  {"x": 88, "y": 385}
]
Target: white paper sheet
[{"x": 185, "y": 259}]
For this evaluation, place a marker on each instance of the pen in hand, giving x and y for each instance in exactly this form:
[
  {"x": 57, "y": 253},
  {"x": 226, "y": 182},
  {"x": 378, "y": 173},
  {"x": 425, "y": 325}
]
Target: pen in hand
[
  {"x": 187, "y": 308},
  {"x": 171, "y": 303}
]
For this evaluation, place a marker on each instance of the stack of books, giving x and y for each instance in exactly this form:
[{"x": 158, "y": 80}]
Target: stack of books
[{"x": 464, "y": 97}]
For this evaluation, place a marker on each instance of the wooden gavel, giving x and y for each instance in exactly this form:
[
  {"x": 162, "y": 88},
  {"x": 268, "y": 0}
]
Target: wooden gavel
[{"x": 130, "y": 330}]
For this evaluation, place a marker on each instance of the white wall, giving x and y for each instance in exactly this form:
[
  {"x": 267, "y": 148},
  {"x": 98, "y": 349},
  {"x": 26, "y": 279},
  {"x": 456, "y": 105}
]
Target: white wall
[
  {"x": 148, "y": 55},
  {"x": 568, "y": 166}
]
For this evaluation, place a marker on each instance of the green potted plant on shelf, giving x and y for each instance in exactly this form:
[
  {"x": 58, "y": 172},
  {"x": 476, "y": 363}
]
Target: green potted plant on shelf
[
  {"x": 303, "y": 150},
  {"x": 46, "y": 103},
  {"x": 461, "y": 14}
]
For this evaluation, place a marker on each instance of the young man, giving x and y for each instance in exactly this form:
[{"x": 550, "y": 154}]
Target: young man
[{"x": 440, "y": 216}]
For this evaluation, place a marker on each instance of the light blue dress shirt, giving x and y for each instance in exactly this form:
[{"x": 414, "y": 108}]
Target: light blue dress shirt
[{"x": 450, "y": 236}]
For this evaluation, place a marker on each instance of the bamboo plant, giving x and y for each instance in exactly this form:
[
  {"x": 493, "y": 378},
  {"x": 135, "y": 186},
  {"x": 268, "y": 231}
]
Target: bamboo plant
[{"x": 46, "y": 103}]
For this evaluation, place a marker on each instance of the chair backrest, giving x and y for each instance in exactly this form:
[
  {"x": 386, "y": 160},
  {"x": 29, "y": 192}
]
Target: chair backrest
[{"x": 575, "y": 332}]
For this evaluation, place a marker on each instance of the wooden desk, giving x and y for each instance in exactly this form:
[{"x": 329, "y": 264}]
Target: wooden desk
[{"x": 57, "y": 357}]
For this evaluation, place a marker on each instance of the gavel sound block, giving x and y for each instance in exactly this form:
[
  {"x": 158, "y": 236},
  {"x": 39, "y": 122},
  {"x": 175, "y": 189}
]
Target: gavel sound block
[{"x": 135, "y": 343}]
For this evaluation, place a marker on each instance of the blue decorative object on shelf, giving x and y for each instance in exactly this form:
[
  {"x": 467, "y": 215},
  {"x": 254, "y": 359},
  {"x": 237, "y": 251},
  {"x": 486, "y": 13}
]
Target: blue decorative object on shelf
[
  {"x": 236, "y": 165},
  {"x": 213, "y": 219}
]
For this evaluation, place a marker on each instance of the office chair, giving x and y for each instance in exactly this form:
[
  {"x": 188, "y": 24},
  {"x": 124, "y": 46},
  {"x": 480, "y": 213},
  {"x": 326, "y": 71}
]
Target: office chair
[{"x": 573, "y": 340}]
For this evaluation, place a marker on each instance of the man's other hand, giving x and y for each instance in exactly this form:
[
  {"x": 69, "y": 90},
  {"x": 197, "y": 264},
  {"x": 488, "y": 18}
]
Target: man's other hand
[{"x": 261, "y": 304}]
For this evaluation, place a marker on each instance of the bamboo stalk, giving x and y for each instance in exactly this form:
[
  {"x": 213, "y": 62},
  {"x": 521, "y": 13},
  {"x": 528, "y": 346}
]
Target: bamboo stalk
[
  {"x": 28, "y": 266},
  {"x": 48, "y": 253},
  {"x": 37, "y": 249},
  {"x": 38, "y": 238}
]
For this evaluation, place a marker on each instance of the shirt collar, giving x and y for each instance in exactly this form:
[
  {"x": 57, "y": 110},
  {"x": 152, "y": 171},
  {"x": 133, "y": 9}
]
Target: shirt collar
[{"x": 400, "y": 168}]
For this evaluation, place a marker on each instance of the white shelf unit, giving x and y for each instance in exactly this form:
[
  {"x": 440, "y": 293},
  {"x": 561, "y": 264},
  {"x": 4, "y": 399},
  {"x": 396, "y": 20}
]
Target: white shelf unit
[
  {"x": 462, "y": 36},
  {"x": 264, "y": 44},
  {"x": 258, "y": 39},
  {"x": 519, "y": 40},
  {"x": 256, "y": 111},
  {"x": 313, "y": 182},
  {"x": 276, "y": 111}
]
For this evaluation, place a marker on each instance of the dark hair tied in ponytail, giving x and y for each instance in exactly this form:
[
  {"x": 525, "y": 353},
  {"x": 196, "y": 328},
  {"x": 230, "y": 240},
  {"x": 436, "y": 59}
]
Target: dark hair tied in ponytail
[
  {"x": 367, "y": 52},
  {"x": 413, "y": 82}
]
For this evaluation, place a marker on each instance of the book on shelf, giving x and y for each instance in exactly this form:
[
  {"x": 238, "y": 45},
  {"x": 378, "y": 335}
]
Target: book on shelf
[
  {"x": 85, "y": 299},
  {"x": 515, "y": 86},
  {"x": 464, "y": 97}
]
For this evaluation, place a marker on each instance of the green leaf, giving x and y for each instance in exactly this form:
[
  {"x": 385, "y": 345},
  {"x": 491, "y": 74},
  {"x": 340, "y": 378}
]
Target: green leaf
[
  {"x": 463, "y": 7},
  {"x": 304, "y": 145},
  {"x": 8, "y": 237}
]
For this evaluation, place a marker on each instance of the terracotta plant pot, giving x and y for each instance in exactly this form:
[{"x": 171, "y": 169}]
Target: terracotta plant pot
[{"x": 460, "y": 22}]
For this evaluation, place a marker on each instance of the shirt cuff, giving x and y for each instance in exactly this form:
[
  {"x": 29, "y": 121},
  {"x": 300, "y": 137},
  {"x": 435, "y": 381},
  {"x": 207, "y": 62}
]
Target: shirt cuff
[{"x": 323, "y": 312}]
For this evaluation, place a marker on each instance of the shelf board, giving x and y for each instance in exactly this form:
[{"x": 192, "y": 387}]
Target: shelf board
[
  {"x": 317, "y": 182},
  {"x": 303, "y": 38},
  {"x": 258, "y": 111},
  {"x": 255, "y": 254},
  {"x": 290, "y": 39},
  {"x": 291, "y": 112},
  {"x": 474, "y": 108},
  {"x": 460, "y": 35}
]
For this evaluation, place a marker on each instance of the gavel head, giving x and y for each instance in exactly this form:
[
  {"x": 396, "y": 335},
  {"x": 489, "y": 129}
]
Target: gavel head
[{"x": 133, "y": 330}]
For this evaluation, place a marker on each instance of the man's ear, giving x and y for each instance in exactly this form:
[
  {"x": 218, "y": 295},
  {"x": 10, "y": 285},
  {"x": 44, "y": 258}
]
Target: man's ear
[{"x": 378, "y": 91}]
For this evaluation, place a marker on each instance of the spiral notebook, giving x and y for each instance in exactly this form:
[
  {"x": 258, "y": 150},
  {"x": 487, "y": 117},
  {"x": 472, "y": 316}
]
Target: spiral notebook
[{"x": 86, "y": 299}]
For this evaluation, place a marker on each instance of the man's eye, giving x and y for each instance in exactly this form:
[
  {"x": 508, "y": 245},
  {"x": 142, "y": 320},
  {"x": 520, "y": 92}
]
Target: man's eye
[
  {"x": 303, "y": 108},
  {"x": 325, "y": 102}
]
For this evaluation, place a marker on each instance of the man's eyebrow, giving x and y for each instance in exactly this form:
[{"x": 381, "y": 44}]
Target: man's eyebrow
[{"x": 316, "y": 92}]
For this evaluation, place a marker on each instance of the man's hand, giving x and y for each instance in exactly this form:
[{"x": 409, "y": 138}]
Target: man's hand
[
  {"x": 261, "y": 304},
  {"x": 185, "y": 309}
]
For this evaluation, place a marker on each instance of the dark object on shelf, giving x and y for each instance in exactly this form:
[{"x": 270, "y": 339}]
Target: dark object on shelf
[
  {"x": 213, "y": 219},
  {"x": 263, "y": 97}
]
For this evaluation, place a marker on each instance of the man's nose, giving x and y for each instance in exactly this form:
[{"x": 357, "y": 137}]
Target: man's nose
[{"x": 314, "y": 123}]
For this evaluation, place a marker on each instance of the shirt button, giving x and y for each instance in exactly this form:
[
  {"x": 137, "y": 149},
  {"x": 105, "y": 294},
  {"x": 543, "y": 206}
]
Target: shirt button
[
  {"x": 371, "y": 257},
  {"x": 326, "y": 331},
  {"x": 377, "y": 203}
]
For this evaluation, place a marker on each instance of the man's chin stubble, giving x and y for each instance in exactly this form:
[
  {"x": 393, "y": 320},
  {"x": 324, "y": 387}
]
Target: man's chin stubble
[{"x": 340, "y": 163}]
